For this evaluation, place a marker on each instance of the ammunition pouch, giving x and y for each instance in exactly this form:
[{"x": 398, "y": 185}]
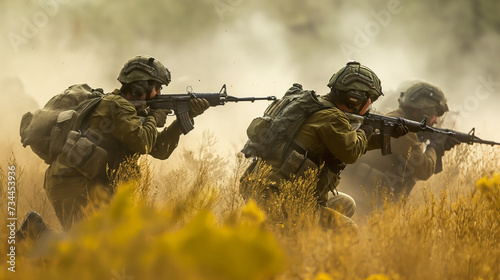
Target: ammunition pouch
[
  {"x": 258, "y": 127},
  {"x": 296, "y": 163},
  {"x": 64, "y": 123},
  {"x": 83, "y": 154}
]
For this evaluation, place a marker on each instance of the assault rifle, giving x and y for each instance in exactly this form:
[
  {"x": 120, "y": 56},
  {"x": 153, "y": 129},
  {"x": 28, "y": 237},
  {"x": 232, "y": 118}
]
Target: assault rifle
[
  {"x": 179, "y": 103},
  {"x": 385, "y": 126}
]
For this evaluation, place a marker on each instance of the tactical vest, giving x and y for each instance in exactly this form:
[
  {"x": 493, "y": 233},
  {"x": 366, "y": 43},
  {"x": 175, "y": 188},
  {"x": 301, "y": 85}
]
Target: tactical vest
[
  {"x": 271, "y": 135},
  {"x": 46, "y": 130}
]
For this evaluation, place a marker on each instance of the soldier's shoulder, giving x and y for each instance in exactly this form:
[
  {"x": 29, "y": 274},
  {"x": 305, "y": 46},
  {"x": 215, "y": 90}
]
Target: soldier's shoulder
[
  {"x": 117, "y": 102},
  {"x": 329, "y": 107},
  {"x": 333, "y": 111},
  {"x": 114, "y": 97},
  {"x": 330, "y": 115}
]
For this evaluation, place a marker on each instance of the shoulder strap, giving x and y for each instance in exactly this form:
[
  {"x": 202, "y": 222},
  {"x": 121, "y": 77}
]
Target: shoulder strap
[{"x": 87, "y": 107}]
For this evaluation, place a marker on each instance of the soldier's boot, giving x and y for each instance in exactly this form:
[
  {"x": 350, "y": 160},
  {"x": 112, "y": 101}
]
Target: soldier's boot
[{"x": 32, "y": 227}]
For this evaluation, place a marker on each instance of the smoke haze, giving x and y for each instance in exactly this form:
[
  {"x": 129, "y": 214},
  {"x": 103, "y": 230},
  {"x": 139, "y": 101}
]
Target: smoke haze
[{"x": 257, "y": 48}]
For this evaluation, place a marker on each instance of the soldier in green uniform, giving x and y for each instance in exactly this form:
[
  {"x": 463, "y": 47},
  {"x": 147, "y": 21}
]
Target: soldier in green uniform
[
  {"x": 116, "y": 127},
  {"x": 414, "y": 157},
  {"x": 325, "y": 138}
]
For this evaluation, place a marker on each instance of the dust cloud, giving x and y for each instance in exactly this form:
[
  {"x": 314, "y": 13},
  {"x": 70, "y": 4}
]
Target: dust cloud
[{"x": 257, "y": 48}]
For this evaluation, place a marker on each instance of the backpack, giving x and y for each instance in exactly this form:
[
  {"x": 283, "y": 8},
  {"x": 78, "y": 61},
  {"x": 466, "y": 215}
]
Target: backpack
[
  {"x": 46, "y": 129},
  {"x": 270, "y": 136}
]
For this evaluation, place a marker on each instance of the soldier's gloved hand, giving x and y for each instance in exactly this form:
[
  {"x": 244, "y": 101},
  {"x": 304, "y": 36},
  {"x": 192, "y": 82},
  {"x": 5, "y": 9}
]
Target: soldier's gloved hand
[
  {"x": 437, "y": 142},
  {"x": 160, "y": 116},
  {"x": 367, "y": 129},
  {"x": 399, "y": 129},
  {"x": 197, "y": 106},
  {"x": 450, "y": 142}
]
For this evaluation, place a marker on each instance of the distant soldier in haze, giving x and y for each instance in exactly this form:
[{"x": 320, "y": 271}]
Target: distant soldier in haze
[
  {"x": 414, "y": 157},
  {"x": 121, "y": 133},
  {"x": 302, "y": 131}
]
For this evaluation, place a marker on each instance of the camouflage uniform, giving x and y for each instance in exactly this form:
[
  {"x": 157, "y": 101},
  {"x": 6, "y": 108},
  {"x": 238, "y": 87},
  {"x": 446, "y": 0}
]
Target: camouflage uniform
[
  {"x": 399, "y": 171},
  {"x": 329, "y": 136},
  {"x": 328, "y": 140},
  {"x": 116, "y": 128},
  {"x": 102, "y": 139},
  {"x": 123, "y": 134},
  {"x": 411, "y": 159}
]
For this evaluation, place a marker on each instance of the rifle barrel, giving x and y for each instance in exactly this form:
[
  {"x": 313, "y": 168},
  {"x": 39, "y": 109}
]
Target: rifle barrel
[
  {"x": 469, "y": 138},
  {"x": 481, "y": 141},
  {"x": 230, "y": 98}
]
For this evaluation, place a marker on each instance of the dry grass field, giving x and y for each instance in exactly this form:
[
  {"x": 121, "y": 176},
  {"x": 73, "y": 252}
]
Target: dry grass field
[{"x": 191, "y": 223}]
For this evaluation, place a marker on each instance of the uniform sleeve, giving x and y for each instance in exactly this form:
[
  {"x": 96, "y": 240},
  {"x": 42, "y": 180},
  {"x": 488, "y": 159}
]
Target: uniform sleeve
[
  {"x": 137, "y": 136},
  {"x": 167, "y": 141},
  {"x": 341, "y": 140},
  {"x": 420, "y": 163}
]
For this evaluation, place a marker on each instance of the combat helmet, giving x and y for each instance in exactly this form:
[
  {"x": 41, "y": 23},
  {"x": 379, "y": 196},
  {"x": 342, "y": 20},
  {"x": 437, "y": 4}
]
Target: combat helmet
[
  {"x": 424, "y": 96},
  {"x": 355, "y": 76},
  {"x": 144, "y": 68}
]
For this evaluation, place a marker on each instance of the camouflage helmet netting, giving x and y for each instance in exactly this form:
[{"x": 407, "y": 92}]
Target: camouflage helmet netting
[
  {"x": 357, "y": 77},
  {"x": 423, "y": 95},
  {"x": 144, "y": 68}
]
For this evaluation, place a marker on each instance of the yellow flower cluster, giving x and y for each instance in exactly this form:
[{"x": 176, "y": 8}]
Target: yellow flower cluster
[
  {"x": 490, "y": 188},
  {"x": 148, "y": 243}
]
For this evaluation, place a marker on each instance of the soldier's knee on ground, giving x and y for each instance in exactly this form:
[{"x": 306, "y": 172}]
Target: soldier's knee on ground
[
  {"x": 342, "y": 203},
  {"x": 331, "y": 219}
]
